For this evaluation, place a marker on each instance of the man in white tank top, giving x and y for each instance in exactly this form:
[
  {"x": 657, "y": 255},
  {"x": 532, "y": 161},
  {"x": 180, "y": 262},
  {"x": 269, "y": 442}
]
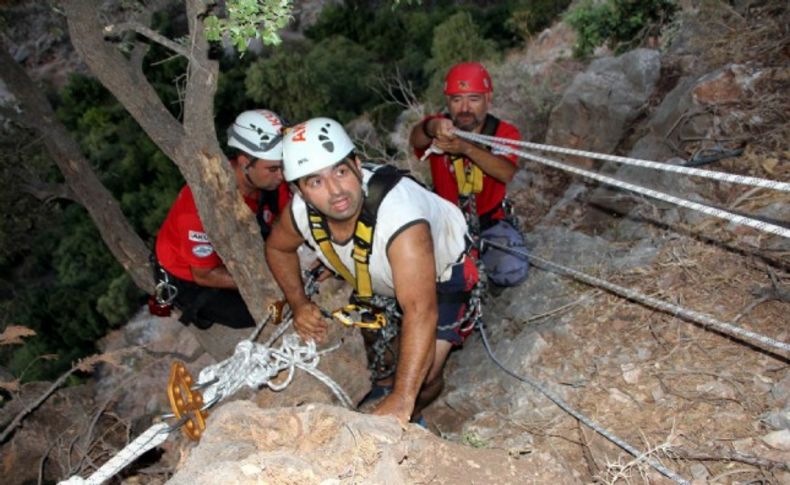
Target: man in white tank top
[{"x": 418, "y": 249}]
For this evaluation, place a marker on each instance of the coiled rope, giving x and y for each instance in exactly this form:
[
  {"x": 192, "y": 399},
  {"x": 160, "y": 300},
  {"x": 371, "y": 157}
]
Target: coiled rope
[
  {"x": 253, "y": 365},
  {"x": 734, "y": 331},
  {"x": 584, "y": 419},
  {"x": 637, "y": 162},
  {"x": 705, "y": 209}
]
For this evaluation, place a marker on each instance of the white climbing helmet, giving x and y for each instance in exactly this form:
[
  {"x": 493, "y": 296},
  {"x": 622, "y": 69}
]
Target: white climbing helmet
[
  {"x": 313, "y": 145},
  {"x": 257, "y": 133}
]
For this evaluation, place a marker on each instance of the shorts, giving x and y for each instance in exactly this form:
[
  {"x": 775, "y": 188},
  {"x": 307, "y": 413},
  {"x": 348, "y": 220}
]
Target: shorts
[
  {"x": 453, "y": 297},
  {"x": 204, "y": 307}
]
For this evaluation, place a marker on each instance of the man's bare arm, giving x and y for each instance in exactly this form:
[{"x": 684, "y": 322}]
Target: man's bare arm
[
  {"x": 281, "y": 256},
  {"x": 418, "y": 138},
  {"x": 414, "y": 276},
  {"x": 494, "y": 166}
]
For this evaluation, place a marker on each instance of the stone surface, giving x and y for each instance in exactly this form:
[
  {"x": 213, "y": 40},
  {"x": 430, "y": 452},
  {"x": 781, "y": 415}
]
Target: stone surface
[
  {"x": 322, "y": 444},
  {"x": 596, "y": 109}
]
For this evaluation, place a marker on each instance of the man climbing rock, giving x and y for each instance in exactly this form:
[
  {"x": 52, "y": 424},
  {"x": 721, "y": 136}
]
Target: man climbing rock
[
  {"x": 400, "y": 246},
  {"x": 470, "y": 175},
  {"x": 205, "y": 292}
]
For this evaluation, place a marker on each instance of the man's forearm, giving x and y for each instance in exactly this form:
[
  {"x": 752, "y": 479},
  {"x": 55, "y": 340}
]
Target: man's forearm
[
  {"x": 493, "y": 165},
  {"x": 217, "y": 277},
  {"x": 285, "y": 268},
  {"x": 421, "y": 135},
  {"x": 417, "y": 346}
]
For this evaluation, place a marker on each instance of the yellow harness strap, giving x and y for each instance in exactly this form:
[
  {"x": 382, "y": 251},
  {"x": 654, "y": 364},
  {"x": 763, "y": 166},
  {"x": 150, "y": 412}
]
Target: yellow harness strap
[
  {"x": 468, "y": 176},
  {"x": 384, "y": 178},
  {"x": 363, "y": 237}
]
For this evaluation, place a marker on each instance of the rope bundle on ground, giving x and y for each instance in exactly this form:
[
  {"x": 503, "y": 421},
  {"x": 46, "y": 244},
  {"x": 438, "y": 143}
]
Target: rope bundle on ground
[{"x": 253, "y": 365}]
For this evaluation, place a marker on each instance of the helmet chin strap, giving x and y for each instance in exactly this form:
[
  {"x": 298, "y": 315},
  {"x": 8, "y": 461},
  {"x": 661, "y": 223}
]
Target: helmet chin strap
[{"x": 246, "y": 171}]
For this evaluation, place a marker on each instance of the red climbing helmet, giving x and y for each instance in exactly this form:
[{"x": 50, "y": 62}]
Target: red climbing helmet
[{"x": 467, "y": 77}]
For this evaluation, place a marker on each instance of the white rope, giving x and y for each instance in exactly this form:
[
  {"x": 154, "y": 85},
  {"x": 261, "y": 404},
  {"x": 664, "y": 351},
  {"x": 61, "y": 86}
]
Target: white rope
[
  {"x": 251, "y": 364},
  {"x": 151, "y": 438},
  {"x": 255, "y": 365},
  {"x": 706, "y": 209},
  {"x": 636, "y": 162},
  {"x": 676, "y": 310}
]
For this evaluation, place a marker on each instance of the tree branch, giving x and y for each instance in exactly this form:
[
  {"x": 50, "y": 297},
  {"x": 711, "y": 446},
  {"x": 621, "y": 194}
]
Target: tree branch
[
  {"x": 723, "y": 455},
  {"x": 105, "y": 211},
  {"x": 15, "y": 116},
  {"x": 119, "y": 28},
  {"x": 36, "y": 403},
  {"x": 47, "y": 192}
]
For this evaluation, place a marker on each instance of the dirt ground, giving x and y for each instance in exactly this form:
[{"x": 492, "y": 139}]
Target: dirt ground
[{"x": 659, "y": 381}]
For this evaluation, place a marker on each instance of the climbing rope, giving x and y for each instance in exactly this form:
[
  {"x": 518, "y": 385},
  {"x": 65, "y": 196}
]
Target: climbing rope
[
  {"x": 584, "y": 419},
  {"x": 255, "y": 365},
  {"x": 251, "y": 364},
  {"x": 636, "y": 162},
  {"x": 707, "y": 321},
  {"x": 148, "y": 440},
  {"x": 706, "y": 209}
]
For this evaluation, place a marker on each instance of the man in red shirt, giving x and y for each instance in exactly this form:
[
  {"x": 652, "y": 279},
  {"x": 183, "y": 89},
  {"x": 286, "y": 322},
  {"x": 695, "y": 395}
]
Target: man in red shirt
[
  {"x": 470, "y": 175},
  {"x": 206, "y": 293}
]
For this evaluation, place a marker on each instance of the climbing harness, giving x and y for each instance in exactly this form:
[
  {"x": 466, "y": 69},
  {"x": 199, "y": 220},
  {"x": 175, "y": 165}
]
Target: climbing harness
[
  {"x": 384, "y": 178},
  {"x": 705, "y": 209},
  {"x": 353, "y": 315},
  {"x": 468, "y": 176},
  {"x": 382, "y": 356}
]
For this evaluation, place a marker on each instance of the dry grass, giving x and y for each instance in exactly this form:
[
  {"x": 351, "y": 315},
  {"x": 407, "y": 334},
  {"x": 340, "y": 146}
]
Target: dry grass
[{"x": 649, "y": 375}]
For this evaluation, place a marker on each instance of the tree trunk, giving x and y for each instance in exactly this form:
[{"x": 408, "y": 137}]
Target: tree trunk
[
  {"x": 119, "y": 236},
  {"x": 192, "y": 146}
]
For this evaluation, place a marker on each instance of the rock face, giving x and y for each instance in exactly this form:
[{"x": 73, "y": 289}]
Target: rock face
[
  {"x": 322, "y": 444},
  {"x": 603, "y": 100}
]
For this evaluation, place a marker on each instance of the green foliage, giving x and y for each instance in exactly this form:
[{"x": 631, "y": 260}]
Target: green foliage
[
  {"x": 622, "y": 24},
  {"x": 332, "y": 78},
  {"x": 62, "y": 281},
  {"x": 249, "y": 19},
  {"x": 457, "y": 39},
  {"x": 56, "y": 276},
  {"x": 532, "y": 16},
  {"x": 115, "y": 305}
]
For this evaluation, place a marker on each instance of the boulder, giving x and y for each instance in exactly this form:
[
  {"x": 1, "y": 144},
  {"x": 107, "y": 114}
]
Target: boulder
[
  {"x": 596, "y": 109},
  {"x": 319, "y": 444}
]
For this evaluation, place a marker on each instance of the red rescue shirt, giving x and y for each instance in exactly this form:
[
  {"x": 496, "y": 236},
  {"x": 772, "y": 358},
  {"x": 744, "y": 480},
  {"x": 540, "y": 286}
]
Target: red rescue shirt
[
  {"x": 445, "y": 185},
  {"x": 182, "y": 241}
]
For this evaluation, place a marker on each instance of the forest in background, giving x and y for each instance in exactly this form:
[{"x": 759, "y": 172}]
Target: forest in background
[{"x": 58, "y": 277}]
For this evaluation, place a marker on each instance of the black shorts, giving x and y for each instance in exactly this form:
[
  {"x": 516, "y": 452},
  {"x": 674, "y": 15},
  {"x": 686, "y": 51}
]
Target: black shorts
[{"x": 203, "y": 307}]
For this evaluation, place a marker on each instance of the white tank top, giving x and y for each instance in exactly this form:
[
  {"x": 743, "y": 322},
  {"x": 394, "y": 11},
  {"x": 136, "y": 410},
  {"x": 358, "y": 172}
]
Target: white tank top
[{"x": 406, "y": 204}]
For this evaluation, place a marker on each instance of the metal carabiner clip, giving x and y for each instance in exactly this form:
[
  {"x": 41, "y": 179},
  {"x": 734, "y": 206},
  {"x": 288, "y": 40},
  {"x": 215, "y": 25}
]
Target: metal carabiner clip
[{"x": 354, "y": 316}]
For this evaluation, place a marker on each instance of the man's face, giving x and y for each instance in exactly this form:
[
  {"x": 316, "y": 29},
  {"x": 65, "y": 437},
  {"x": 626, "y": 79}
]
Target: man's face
[
  {"x": 335, "y": 191},
  {"x": 468, "y": 111},
  {"x": 266, "y": 174}
]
